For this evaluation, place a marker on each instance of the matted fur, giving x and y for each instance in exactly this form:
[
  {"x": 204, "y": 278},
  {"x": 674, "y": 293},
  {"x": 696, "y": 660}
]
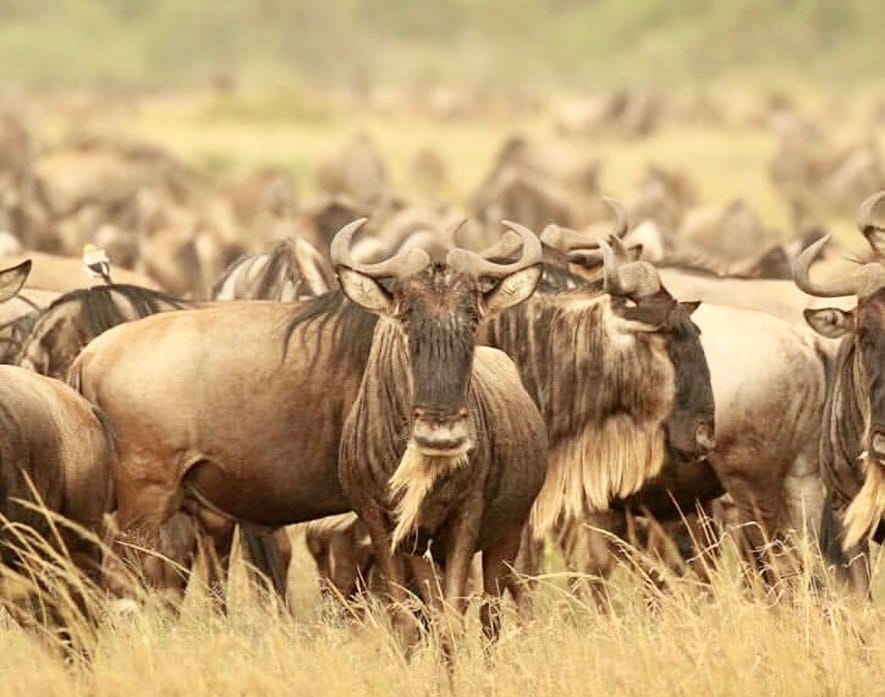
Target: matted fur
[
  {"x": 609, "y": 461},
  {"x": 605, "y": 393},
  {"x": 868, "y": 507},
  {"x": 410, "y": 483}
]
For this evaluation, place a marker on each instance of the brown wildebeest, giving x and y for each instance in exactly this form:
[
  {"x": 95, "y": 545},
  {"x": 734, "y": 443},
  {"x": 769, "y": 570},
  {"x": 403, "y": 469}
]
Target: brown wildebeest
[
  {"x": 194, "y": 361},
  {"x": 356, "y": 170},
  {"x": 852, "y": 443},
  {"x": 442, "y": 443},
  {"x": 618, "y": 386},
  {"x": 55, "y": 451},
  {"x": 55, "y": 337}
]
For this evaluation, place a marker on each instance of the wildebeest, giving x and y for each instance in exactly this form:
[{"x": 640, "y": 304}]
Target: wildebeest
[
  {"x": 288, "y": 270},
  {"x": 174, "y": 386},
  {"x": 51, "y": 342},
  {"x": 608, "y": 370},
  {"x": 619, "y": 378},
  {"x": 443, "y": 451},
  {"x": 852, "y": 443},
  {"x": 342, "y": 551},
  {"x": 60, "y": 331},
  {"x": 55, "y": 451},
  {"x": 771, "y": 472},
  {"x": 62, "y": 274}
]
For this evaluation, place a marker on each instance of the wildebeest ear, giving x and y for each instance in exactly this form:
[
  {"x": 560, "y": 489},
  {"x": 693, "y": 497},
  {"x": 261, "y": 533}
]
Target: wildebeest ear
[
  {"x": 830, "y": 322},
  {"x": 12, "y": 280},
  {"x": 364, "y": 291},
  {"x": 512, "y": 289},
  {"x": 690, "y": 305}
]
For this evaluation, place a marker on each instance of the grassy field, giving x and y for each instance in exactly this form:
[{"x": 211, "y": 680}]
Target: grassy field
[{"x": 731, "y": 637}]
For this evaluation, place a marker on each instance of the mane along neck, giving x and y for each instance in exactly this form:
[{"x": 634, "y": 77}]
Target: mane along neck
[
  {"x": 604, "y": 394},
  {"x": 856, "y": 480},
  {"x": 380, "y": 429},
  {"x": 844, "y": 426}
]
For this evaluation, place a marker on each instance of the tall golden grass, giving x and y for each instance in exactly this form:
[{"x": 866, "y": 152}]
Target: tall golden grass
[{"x": 733, "y": 635}]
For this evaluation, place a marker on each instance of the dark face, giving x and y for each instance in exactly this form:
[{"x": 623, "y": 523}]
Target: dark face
[
  {"x": 440, "y": 311},
  {"x": 869, "y": 338},
  {"x": 864, "y": 326},
  {"x": 691, "y": 426}
]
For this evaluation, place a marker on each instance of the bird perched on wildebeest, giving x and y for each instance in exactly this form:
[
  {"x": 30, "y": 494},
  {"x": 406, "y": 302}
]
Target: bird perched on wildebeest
[{"x": 96, "y": 262}]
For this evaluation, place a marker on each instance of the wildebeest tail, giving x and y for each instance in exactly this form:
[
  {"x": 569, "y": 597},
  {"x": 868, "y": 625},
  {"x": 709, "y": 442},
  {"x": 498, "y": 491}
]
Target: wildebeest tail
[
  {"x": 831, "y": 535},
  {"x": 264, "y": 554},
  {"x": 110, "y": 452}
]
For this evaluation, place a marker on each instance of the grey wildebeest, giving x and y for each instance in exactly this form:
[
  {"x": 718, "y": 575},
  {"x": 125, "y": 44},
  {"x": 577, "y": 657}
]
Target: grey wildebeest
[
  {"x": 443, "y": 452},
  {"x": 852, "y": 443},
  {"x": 202, "y": 425},
  {"x": 55, "y": 451}
]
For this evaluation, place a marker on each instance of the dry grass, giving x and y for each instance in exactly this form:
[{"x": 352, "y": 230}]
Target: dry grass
[{"x": 733, "y": 636}]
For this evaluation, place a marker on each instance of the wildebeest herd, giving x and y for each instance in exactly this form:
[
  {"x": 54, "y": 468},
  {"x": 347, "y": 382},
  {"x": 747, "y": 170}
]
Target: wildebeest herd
[{"x": 422, "y": 385}]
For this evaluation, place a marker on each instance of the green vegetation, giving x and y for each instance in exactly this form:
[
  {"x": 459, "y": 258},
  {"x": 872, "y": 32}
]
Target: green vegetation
[{"x": 507, "y": 43}]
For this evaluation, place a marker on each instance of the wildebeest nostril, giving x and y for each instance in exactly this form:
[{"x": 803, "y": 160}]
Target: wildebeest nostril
[{"x": 438, "y": 417}]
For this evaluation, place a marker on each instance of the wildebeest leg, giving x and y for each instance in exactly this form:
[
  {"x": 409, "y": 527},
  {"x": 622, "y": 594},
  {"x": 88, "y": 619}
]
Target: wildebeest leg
[
  {"x": 425, "y": 578},
  {"x": 461, "y": 545},
  {"x": 525, "y": 571},
  {"x": 804, "y": 492},
  {"x": 851, "y": 567},
  {"x": 392, "y": 567},
  {"x": 216, "y": 535},
  {"x": 266, "y": 556},
  {"x": 143, "y": 507},
  {"x": 759, "y": 496},
  {"x": 498, "y": 575},
  {"x": 589, "y": 549}
]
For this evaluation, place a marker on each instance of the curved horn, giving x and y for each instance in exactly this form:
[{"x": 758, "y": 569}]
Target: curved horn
[
  {"x": 402, "y": 265},
  {"x": 622, "y": 254},
  {"x": 566, "y": 240},
  {"x": 473, "y": 264},
  {"x": 865, "y": 212},
  {"x": 622, "y": 220},
  {"x": 455, "y": 227},
  {"x": 637, "y": 279},
  {"x": 861, "y": 282},
  {"x": 507, "y": 244}
]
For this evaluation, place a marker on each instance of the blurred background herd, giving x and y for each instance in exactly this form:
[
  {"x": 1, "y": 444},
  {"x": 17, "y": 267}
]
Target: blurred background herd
[{"x": 181, "y": 135}]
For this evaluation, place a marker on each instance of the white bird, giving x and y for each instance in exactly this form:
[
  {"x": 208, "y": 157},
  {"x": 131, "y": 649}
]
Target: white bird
[{"x": 96, "y": 262}]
